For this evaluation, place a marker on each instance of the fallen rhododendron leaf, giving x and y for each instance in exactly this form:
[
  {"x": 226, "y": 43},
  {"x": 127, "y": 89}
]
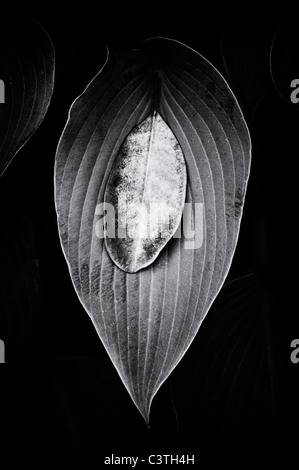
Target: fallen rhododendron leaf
[
  {"x": 148, "y": 319},
  {"x": 148, "y": 187}
]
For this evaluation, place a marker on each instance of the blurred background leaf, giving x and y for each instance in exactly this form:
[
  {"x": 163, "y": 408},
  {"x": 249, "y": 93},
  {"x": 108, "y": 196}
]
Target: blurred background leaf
[
  {"x": 27, "y": 70},
  {"x": 243, "y": 389}
]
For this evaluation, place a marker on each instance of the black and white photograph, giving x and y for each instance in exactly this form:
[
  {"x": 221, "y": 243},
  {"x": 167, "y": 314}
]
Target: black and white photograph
[{"x": 148, "y": 237}]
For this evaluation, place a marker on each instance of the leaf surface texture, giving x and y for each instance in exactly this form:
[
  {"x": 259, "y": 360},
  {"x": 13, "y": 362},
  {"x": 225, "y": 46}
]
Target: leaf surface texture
[{"x": 147, "y": 319}]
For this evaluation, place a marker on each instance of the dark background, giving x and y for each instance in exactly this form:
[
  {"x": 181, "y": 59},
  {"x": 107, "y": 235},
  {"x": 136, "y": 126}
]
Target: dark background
[{"x": 235, "y": 391}]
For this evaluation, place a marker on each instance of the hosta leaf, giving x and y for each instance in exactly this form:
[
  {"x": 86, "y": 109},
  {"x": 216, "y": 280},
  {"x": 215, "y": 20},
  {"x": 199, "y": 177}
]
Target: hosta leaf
[
  {"x": 147, "y": 319},
  {"x": 27, "y": 71},
  {"x": 148, "y": 184}
]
